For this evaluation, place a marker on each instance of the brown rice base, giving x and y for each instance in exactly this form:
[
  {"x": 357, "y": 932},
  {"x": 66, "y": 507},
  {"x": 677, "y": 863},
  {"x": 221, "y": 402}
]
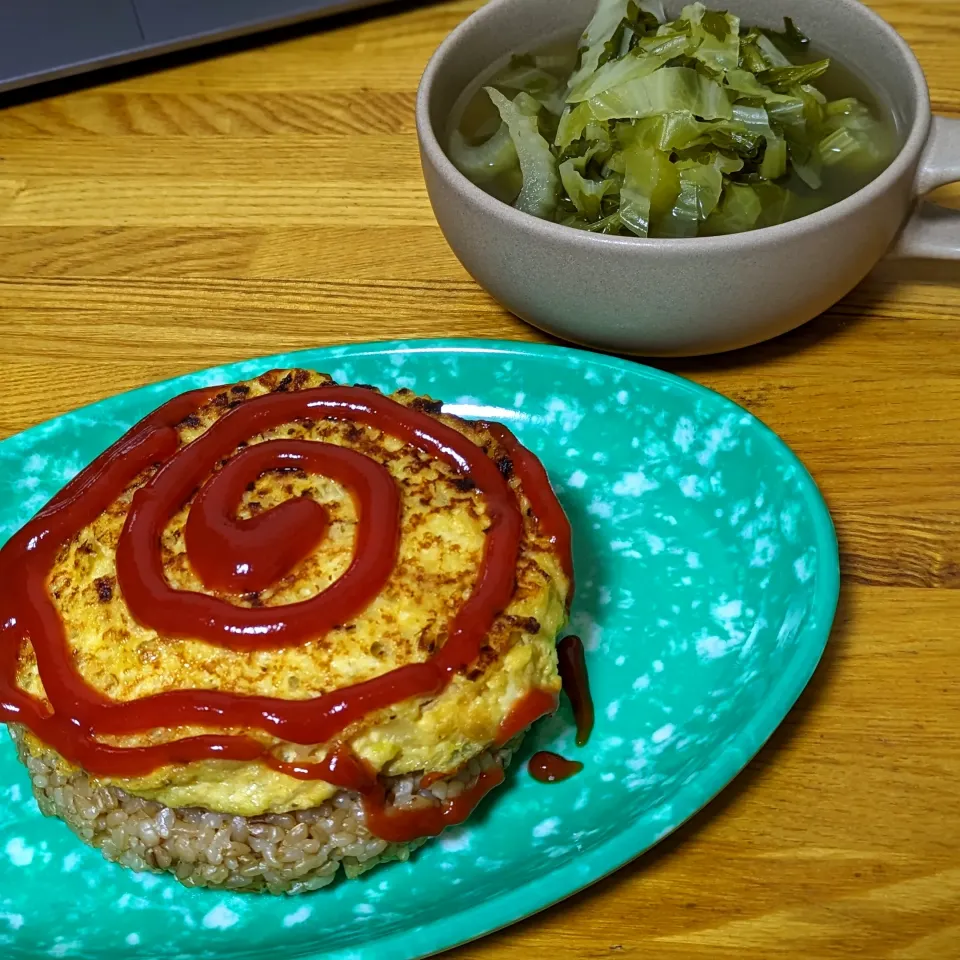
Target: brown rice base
[{"x": 274, "y": 853}]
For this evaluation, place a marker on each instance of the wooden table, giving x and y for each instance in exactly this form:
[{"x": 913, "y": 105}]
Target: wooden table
[{"x": 271, "y": 199}]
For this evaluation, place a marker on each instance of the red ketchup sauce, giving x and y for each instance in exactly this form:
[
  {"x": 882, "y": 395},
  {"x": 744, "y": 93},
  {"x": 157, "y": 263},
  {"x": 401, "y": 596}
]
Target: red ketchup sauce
[
  {"x": 526, "y": 710},
  {"x": 551, "y": 767},
  {"x": 233, "y": 556},
  {"x": 576, "y": 685},
  {"x": 551, "y": 519}
]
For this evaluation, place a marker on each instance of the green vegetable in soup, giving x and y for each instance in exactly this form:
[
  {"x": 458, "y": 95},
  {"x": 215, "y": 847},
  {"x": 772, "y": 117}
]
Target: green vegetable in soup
[
  {"x": 694, "y": 127},
  {"x": 539, "y": 192},
  {"x": 487, "y": 160}
]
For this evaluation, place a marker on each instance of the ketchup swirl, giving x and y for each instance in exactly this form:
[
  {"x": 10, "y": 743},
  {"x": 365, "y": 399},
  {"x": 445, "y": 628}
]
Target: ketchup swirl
[
  {"x": 551, "y": 519},
  {"x": 232, "y": 556}
]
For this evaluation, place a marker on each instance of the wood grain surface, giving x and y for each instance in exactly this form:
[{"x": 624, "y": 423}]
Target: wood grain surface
[{"x": 269, "y": 198}]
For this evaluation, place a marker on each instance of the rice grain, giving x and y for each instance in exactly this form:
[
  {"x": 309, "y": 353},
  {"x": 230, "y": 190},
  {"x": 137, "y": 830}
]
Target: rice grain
[{"x": 289, "y": 853}]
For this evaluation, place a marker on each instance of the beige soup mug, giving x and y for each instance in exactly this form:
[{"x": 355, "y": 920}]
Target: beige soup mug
[{"x": 701, "y": 295}]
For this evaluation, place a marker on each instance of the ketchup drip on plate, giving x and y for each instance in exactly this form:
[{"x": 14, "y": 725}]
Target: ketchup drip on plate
[
  {"x": 232, "y": 555},
  {"x": 551, "y": 767},
  {"x": 576, "y": 685}
]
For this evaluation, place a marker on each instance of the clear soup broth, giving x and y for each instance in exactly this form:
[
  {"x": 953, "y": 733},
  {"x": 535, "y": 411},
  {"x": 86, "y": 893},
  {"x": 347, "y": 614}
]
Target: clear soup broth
[{"x": 477, "y": 120}]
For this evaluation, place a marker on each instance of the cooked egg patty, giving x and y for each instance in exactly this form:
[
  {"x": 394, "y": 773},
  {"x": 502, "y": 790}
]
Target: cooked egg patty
[{"x": 443, "y": 524}]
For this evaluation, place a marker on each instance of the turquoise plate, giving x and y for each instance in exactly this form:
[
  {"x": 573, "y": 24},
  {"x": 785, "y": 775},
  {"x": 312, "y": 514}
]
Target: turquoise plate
[{"x": 707, "y": 582}]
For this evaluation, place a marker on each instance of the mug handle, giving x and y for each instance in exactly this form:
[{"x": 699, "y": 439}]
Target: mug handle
[{"x": 933, "y": 232}]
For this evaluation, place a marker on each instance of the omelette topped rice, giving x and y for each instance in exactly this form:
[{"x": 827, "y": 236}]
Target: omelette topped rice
[{"x": 247, "y": 824}]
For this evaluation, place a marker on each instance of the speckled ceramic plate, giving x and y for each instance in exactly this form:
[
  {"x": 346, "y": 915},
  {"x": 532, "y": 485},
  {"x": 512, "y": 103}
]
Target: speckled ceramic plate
[{"x": 707, "y": 581}]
